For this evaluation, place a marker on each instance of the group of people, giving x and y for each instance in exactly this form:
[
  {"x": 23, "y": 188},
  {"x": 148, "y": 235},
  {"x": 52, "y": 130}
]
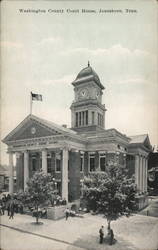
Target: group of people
[
  {"x": 58, "y": 201},
  {"x": 72, "y": 213},
  {"x": 69, "y": 212},
  {"x": 11, "y": 205},
  {"x": 109, "y": 236}
]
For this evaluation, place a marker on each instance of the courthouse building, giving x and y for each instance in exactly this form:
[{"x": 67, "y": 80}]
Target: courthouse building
[{"x": 69, "y": 154}]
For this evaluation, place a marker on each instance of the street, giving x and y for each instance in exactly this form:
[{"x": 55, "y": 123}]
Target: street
[{"x": 136, "y": 232}]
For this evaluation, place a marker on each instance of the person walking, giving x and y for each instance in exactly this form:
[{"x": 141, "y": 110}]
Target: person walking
[
  {"x": 8, "y": 208},
  {"x": 101, "y": 234},
  {"x": 12, "y": 207},
  {"x": 3, "y": 207},
  {"x": 67, "y": 213}
]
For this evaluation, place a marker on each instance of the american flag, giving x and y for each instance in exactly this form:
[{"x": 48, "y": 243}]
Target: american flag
[{"x": 36, "y": 97}]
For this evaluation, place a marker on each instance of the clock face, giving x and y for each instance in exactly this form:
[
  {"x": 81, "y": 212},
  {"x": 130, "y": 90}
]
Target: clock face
[{"x": 83, "y": 93}]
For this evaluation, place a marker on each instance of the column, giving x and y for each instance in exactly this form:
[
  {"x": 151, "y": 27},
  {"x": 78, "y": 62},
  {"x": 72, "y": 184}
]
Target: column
[
  {"x": 140, "y": 174},
  {"x": 104, "y": 120},
  {"x": 146, "y": 174},
  {"x": 137, "y": 171},
  {"x": 89, "y": 117},
  {"x": 64, "y": 192},
  {"x": 17, "y": 171},
  {"x": 144, "y": 167},
  {"x": 26, "y": 168},
  {"x": 11, "y": 173},
  {"x": 44, "y": 161}
]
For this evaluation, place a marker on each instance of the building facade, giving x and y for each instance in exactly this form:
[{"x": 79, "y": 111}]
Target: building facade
[{"x": 70, "y": 154}]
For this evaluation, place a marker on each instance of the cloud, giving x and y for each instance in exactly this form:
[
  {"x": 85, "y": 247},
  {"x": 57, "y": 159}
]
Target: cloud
[
  {"x": 62, "y": 80},
  {"x": 50, "y": 40},
  {"x": 135, "y": 80},
  {"x": 114, "y": 50},
  {"x": 7, "y": 44}
]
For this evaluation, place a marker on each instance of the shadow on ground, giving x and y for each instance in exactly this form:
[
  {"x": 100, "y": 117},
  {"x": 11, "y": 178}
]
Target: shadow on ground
[{"x": 91, "y": 242}]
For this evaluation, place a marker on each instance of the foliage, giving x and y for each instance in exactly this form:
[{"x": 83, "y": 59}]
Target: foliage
[
  {"x": 40, "y": 190},
  {"x": 111, "y": 192}
]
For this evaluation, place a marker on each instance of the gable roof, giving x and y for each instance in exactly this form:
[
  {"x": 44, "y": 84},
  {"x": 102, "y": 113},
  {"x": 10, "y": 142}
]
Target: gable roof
[
  {"x": 138, "y": 138},
  {"x": 53, "y": 127},
  {"x": 142, "y": 140}
]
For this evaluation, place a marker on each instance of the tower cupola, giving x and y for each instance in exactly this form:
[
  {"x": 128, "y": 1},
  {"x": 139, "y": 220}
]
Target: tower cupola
[{"x": 87, "y": 110}]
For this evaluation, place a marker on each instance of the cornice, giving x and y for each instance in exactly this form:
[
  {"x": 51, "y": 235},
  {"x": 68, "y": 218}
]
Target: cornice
[{"x": 88, "y": 103}]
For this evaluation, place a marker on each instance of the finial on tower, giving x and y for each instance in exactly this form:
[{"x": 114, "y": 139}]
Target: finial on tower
[{"x": 88, "y": 63}]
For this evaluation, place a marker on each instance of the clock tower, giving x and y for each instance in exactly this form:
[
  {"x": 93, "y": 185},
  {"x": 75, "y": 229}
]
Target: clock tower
[{"x": 87, "y": 110}]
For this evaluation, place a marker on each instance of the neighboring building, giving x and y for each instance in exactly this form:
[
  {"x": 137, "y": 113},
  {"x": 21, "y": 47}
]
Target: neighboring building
[
  {"x": 153, "y": 173},
  {"x": 69, "y": 154},
  {"x": 4, "y": 178}
]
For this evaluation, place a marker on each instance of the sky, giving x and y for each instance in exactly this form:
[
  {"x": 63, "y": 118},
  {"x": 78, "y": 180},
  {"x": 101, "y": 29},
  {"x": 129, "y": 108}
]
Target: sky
[{"x": 44, "y": 51}]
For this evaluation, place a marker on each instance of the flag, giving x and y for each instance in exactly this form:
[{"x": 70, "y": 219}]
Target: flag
[{"x": 36, "y": 97}]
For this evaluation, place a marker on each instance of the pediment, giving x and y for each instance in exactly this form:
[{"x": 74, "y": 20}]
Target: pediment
[{"x": 32, "y": 127}]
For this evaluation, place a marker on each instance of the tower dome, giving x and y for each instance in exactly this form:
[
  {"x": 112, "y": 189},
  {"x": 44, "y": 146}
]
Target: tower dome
[{"x": 87, "y": 74}]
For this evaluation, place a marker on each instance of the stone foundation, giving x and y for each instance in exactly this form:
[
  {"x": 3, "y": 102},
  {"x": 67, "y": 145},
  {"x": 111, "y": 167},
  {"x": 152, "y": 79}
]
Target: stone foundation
[
  {"x": 142, "y": 201},
  {"x": 55, "y": 213}
]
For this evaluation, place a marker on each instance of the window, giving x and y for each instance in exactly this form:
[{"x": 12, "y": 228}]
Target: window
[
  {"x": 49, "y": 163},
  {"x": 83, "y": 118},
  {"x": 93, "y": 117},
  {"x": 102, "y": 162},
  {"x": 34, "y": 161},
  {"x": 100, "y": 119},
  {"x": 82, "y": 163},
  {"x": 33, "y": 164},
  {"x": 76, "y": 119},
  {"x": 91, "y": 163},
  {"x": 86, "y": 117},
  {"x": 58, "y": 162},
  {"x": 79, "y": 118}
]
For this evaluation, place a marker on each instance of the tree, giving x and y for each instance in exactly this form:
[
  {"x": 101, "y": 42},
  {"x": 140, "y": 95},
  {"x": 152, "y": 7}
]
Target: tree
[
  {"x": 111, "y": 193},
  {"x": 39, "y": 191}
]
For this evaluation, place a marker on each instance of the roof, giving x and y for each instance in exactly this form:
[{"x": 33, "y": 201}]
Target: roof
[
  {"x": 88, "y": 74},
  {"x": 141, "y": 140},
  {"x": 52, "y": 126},
  {"x": 138, "y": 138}
]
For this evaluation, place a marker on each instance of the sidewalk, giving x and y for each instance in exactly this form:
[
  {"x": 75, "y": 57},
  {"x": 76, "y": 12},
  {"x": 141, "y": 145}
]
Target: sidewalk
[{"x": 136, "y": 232}]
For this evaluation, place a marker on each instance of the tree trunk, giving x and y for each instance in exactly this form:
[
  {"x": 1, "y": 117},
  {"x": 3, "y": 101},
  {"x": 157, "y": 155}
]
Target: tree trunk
[
  {"x": 36, "y": 219},
  {"x": 37, "y": 215},
  {"x": 109, "y": 225}
]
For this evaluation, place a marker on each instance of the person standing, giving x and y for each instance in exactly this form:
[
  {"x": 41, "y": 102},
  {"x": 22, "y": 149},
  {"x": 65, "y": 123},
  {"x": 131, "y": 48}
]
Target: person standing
[
  {"x": 111, "y": 237},
  {"x": 101, "y": 234}
]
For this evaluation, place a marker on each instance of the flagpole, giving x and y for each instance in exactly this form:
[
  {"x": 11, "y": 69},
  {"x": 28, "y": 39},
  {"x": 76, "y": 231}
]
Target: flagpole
[{"x": 30, "y": 103}]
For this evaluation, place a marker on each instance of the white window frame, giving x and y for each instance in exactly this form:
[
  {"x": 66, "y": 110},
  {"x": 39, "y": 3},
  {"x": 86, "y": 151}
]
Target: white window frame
[{"x": 102, "y": 155}]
